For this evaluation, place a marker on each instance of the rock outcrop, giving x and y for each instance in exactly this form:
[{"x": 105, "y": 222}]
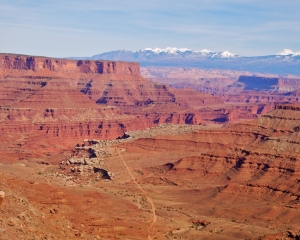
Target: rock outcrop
[{"x": 2, "y": 195}]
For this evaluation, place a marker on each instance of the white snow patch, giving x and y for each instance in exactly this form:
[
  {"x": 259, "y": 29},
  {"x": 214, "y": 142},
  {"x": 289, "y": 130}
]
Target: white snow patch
[
  {"x": 171, "y": 50},
  {"x": 296, "y": 54},
  {"x": 179, "y": 51},
  {"x": 225, "y": 54},
  {"x": 286, "y": 52}
]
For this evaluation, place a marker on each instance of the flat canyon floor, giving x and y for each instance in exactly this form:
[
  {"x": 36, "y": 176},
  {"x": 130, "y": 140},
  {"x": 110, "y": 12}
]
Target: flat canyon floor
[{"x": 46, "y": 202}]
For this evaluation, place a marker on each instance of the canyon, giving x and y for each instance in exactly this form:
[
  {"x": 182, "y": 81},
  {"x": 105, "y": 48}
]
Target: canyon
[
  {"x": 231, "y": 86},
  {"x": 210, "y": 182},
  {"x": 91, "y": 149},
  {"x": 216, "y": 81},
  {"x": 45, "y": 100}
]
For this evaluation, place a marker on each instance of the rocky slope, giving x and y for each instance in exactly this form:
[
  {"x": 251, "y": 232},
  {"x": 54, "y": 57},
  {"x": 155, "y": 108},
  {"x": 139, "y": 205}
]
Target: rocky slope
[
  {"x": 235, "y": 182},
  {"x": 248, "y": 172},
  {"x": 238, "y": 182}
]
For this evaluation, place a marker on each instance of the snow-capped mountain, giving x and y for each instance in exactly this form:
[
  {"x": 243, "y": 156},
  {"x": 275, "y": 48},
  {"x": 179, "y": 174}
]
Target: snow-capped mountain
[
  {"x": 284, "y": 62},
  {"x": 184, "y": 52},
  {"x": 288, "y": 52},
  {"x": 169, "y": 50},
  {"x": 224, "y": 54},
  {"x": 150, "y": 54}
]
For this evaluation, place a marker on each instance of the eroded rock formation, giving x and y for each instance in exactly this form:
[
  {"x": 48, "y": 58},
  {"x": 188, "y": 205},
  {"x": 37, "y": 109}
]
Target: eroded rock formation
[
  {"x": 248, "y": 171},
  {"x": 2, "y": 195},
  {"x": 45, "y": 98},
  {"x": 264, "y": 152}
]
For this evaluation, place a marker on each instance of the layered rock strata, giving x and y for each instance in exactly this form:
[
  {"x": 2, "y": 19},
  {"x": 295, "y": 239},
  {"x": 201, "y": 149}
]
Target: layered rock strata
[
  {"x": 45, "y": 98},
  {"x": 249, "y": 171},
  {"x": 264, "y": 152}
]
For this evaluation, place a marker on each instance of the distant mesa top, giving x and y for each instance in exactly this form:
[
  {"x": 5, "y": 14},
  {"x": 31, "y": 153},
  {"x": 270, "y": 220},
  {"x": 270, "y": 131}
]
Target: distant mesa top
[{"x": 40, "y": 64}]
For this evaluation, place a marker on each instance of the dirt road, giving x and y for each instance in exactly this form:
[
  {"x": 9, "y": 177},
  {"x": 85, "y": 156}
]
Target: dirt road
[{"x": 144, "y": 192}]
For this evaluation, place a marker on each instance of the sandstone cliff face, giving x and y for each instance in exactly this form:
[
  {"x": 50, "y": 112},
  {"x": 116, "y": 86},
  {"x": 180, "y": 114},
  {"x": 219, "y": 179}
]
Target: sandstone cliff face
[
  {"x": 38, "y": 64},
  {"x": 286, "y": 85}
]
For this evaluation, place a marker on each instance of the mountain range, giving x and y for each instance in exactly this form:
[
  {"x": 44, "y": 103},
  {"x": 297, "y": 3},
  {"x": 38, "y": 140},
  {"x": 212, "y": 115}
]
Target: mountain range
[{"x": 282, "y": 63}]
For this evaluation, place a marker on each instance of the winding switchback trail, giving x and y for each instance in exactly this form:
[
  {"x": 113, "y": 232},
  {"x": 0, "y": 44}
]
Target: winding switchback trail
[{"x": 144, "y": 192}]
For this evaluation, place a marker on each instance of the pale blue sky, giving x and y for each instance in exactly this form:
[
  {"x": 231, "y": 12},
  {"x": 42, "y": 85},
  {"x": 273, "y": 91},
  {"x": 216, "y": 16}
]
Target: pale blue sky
[{"x": 60, "y": 28}]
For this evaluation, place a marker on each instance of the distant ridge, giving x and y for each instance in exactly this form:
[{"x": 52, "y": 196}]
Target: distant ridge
[{"x": 284, "y": 62}]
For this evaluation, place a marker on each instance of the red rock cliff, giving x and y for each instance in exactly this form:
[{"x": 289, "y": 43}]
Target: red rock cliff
[
  {"x": 38, "y": 64},
  {"x": 51, "y": 100}
]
